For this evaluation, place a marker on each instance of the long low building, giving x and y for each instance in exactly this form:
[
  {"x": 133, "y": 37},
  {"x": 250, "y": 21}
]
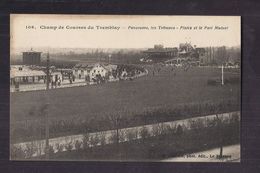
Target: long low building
[{"x": 27, "y": 75}]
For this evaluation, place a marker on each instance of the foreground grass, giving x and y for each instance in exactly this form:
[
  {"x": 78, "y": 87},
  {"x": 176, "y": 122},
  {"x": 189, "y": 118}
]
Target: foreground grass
[{"x": 171, "y": 143}]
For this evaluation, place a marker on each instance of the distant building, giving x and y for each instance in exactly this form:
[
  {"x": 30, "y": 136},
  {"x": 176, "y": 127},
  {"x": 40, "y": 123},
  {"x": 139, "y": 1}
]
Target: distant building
[
  {"x": 31, "y": 58},
  {"x": 23, "y": 74},
  {"x": 186, "y": 47},
  {"x": 159, "y": 53},
  {"x": 98, "y": 69},
  {"x": 81, "y": 70},
  {"x": 186, "y": 50},
  {"x": 91, "y": 71}
]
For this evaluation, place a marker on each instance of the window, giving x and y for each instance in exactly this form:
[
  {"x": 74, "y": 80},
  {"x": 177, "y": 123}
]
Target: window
[{"x": 94, "y": 71}]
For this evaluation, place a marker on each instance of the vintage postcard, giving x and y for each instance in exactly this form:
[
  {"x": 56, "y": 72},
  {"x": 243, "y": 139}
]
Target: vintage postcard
[{"x": 125, "y": 88}]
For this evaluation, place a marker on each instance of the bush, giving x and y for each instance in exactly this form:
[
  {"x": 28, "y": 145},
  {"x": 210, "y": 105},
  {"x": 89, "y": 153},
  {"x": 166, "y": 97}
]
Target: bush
[
  {"x": 102, "y": 138},
  {"x": 51, "y": 150},
  {"x": 196, "y": 124},
  {"x": 113, "y": 138},
  {"x": 69, "y": 146},
  {"x": 179, "y": 130},
  {"x": 131, "y": 134},
  {"x": 29, "y": 150},
  {"x": 157, "y": 130},
  {"x": 78, "y": 145},
  {"x": 59, "y": 147},
  {"x": 94, "y": 140},
  {"x": 144, "y": 133},
  {"x": 167, "y": 129},
  {"x": 86, "y": 141},
  {"x": 17, "y": 153},
  {"x": 121, "y": 135}
]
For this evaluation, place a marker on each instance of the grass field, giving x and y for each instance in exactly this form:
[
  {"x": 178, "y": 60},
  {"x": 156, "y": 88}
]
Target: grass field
[
  {"x": 167, "y": 95},
  {"x": 163, "y": 90}
]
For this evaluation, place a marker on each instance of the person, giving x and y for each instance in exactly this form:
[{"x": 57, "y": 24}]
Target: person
[
  {"x": 16, "y": 86},
  {"x": 59, "y": 81}
]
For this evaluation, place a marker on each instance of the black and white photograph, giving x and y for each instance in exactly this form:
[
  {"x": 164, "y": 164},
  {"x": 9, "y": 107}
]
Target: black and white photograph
[{"x": 132, "y": 88}]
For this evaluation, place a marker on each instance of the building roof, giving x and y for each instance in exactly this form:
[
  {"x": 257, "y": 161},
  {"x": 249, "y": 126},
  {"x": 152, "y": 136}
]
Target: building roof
[
  {"x": 25, "y": 73},
  {"x": 163, "y": 50},
  {"x": 31, "y": 51},
  {"x": 110, "y": 67},
  {"x": 28, "y": 71},
  {"x": 84, "y": 65}
]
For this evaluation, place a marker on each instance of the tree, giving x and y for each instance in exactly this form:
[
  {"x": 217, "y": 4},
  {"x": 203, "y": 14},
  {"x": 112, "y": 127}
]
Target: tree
[
  {"x": 115, "y": 120},
  {"x": 219, "y": 127}
]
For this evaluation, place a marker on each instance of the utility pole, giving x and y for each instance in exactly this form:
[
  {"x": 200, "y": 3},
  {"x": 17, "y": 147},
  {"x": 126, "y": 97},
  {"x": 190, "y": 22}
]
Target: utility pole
[
  {"x": 224, "y": 53},
  {"x": 47, "y": 133},
  {"x": 109, "y": 56},
  {"x": 220, "y": 136},
  {"x": 117, "y": 131},
  {"x": 47, "y": 104},
  {"x": 222, "y": 75}
]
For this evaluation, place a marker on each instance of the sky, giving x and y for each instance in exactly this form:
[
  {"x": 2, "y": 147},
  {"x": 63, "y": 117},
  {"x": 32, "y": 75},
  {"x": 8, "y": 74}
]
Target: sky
[{"x": 44, "y": 34}]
